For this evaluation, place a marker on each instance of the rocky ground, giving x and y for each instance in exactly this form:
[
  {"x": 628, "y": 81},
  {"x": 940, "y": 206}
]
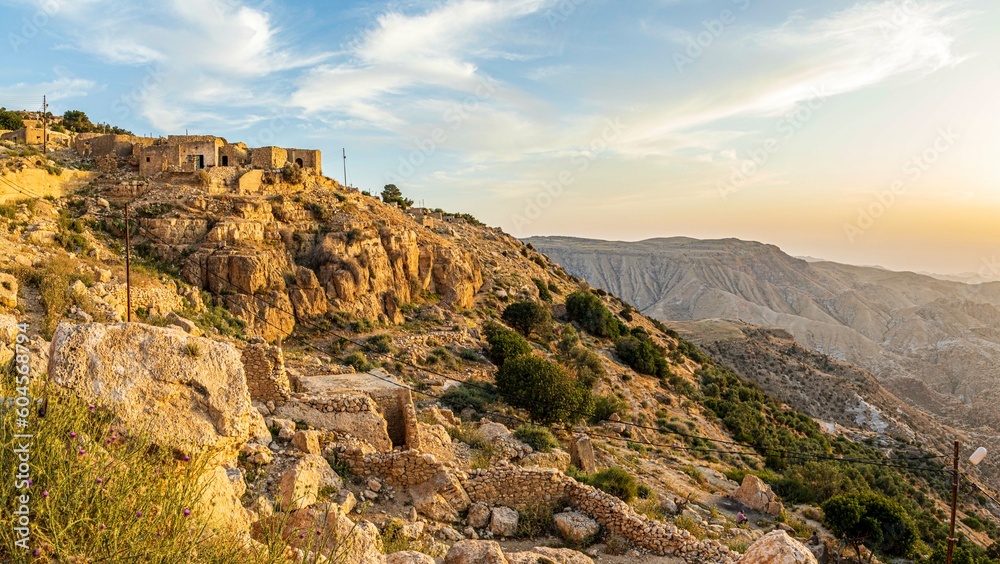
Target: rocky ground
[{"x": 260, "y": 314}]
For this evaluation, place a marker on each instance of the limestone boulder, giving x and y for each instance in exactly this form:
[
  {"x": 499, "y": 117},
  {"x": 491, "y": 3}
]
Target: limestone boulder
[
  {"x": 503, "y": 522},
  {"x": 8, "y": 290},
  {"x": 301, "y": 484},
  {"x": 576, "y": 527},
  {"x": 408, "y": 557},
  {"x": 478, "y": 516},
  {"x": 306, "y": 441},
  {"x": 777, "y": 547},
  {"x": 220, "y": 503},
  {"x": 188, "y": 393},
  {"x": 334, "y": 535},
  {"x": 436, "y": 440},
  {"x": 581, "y": 453},
  {"x": 546, "y": 554},
  {"x": 758, "y": 496},
  {"x": 475, "y": 552}
]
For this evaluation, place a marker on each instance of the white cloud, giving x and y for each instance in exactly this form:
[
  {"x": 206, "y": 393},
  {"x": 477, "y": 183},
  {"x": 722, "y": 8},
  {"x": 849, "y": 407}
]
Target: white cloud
[
  {"x": 64, "y": 86},
  {"x": 856, "y": 48}
]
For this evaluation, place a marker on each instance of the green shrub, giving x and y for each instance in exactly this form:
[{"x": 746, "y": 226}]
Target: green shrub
[
  {"x": 292, "y": 173},
  {"x": 535, "y": 520},
  {"x": 590, "y": 313},
  {"x": 873, "y": 520},
  {"x": 504, "y": 344},
  {"x": 473, "y": 393},
  {"x": 380, "y": 343},
  {"x": 358, "y": 360},
  {"x": 617, "y": 482},
  {"x": 538, "y": 438},
  {"x": 642, "y": 355},
  {"x": 605, "y": 407},
  {"x": 544, "y": 293},
  {"x": 526, "y": 317},
  {"x": 543, "y": 388}
]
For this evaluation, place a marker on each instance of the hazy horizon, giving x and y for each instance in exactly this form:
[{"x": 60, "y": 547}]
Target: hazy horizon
[{"x": 863, "y": 132}]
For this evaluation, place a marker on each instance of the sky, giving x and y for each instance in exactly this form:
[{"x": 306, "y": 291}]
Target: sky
[{"x": 862, "y": 132}]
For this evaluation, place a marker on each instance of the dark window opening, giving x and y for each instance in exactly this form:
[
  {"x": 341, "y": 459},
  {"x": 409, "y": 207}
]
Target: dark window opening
[
  {"x": 225, "y": 160},
  {"x": 148, "y": 159},
  {"x": 298, "y": 162}
]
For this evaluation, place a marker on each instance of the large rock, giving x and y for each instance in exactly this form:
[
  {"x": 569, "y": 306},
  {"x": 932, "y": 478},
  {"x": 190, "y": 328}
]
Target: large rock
[
  {"x": 8, "y": 290},
  {"x": 478, "y": 516},
  {"x": 408, "y": 557},
  {"x": 188, "y": 393},
  {"x": 220, "y": 503},
  {"x": 544, "y": 554},
  {"x": 581, "y": 453},
  {"x": 777, "y": 547},
  {"x": 475, "y": 552},
  {"x": 758, "y": 496},
  {"x": 576, "y": 527},
  {"x": 503, "y": 522},
  {"x": 334, "y": 536},
  {"x": 301, "y": 484}
]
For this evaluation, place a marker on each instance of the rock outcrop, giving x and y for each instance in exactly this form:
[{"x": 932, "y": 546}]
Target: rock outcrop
[
  {"x": 777, "y": 547},
  {"x": 301, "y": 484},
  {"x": 758, "y": 496},
  {"x": 188, "y": 393},
  {"x": 576, "y": 527},
  {"x": 475, "y": 552}
]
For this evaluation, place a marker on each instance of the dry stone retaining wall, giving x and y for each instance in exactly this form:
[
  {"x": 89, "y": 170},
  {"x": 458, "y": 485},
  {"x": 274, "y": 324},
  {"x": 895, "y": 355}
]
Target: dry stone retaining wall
[
  {"x": 517, "y": 487},
  {"x": 265, "y": 370}
]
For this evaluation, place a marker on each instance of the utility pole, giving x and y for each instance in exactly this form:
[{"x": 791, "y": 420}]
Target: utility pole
[
  {"x": 345, "y": 166},
  {"x": 128, "y": 270},
  {"x": 45, "y": 125},
  {"x": 954, "y": 506}
]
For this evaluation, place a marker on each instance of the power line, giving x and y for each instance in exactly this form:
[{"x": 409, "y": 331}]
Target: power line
[{"x": 759, "y": 448}]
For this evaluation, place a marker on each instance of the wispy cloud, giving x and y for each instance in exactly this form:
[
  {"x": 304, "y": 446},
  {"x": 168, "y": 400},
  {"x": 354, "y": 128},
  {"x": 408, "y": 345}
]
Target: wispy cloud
[{"x": 859, "y": 47}]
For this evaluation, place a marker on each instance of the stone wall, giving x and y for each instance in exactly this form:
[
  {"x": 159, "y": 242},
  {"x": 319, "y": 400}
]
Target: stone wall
[
  {"x": 515, "y": 486},
  {"x": 400, "y": 468},
  {"x": 235, "y": 154},
  {"x": 306, "y": 158},
  {"x": 396, "y": 405},
  {"x": 268, "y": 157},
  {"x": 157, "y": 158},
  {"x": 26, "y": 135},
  {"x": 265, "y": 370}
]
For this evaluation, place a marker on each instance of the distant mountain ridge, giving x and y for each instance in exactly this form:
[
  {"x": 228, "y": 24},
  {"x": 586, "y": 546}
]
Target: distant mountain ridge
[{"x": 934, "y": 343}]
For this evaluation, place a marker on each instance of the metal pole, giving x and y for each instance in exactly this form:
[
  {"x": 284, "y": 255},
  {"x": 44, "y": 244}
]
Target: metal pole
[
  {"x": 128, "y": 270},
  {"x": 954, "y": 507},
  {"x": 345, "y": 166},
  {"x": 45, "y": 126}
]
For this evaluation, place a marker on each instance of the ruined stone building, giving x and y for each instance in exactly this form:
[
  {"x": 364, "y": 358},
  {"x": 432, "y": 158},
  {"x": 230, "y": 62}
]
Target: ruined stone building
[{"x": 189, "y": 153}]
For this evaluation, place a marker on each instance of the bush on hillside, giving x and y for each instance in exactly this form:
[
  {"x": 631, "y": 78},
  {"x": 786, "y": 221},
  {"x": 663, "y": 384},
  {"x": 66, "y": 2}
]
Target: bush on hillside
[
  {"x": 472, "y": 393},
  {"x": 543, "y": 388},
  {"x": 504, "y": 344},
  {"x": 873, "y": 520},
  {"x": 526, "y": 317},
  {"x": 615, "y": 481},
  {"x": 537, "y": 437},
  {"x": 592, "y": 315},
  {"x": 641, "y": 354}
]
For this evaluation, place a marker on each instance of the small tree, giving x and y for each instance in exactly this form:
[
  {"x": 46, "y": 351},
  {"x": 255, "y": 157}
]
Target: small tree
[
  {"x": 393, "y": 195},
  {"x": 10, "y": 120},
  {"x": 589, "y": 311},
  {"x": 76, "y": 120},
  {"x": 504, "y": 344},
  {"x": 526, "y": 316},
  {"x": 543, "y": 388},
  {"x": 871, "y": 519}
]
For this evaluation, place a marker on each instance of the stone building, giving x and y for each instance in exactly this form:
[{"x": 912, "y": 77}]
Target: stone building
[{"x": 26, "y": 135}]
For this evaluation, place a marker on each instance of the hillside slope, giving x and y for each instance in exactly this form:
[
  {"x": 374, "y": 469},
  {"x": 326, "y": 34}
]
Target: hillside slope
[{"x": 900, "y": 326}]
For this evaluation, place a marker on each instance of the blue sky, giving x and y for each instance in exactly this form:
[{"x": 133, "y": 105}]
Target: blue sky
[{"x": 864, "y": 132}]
